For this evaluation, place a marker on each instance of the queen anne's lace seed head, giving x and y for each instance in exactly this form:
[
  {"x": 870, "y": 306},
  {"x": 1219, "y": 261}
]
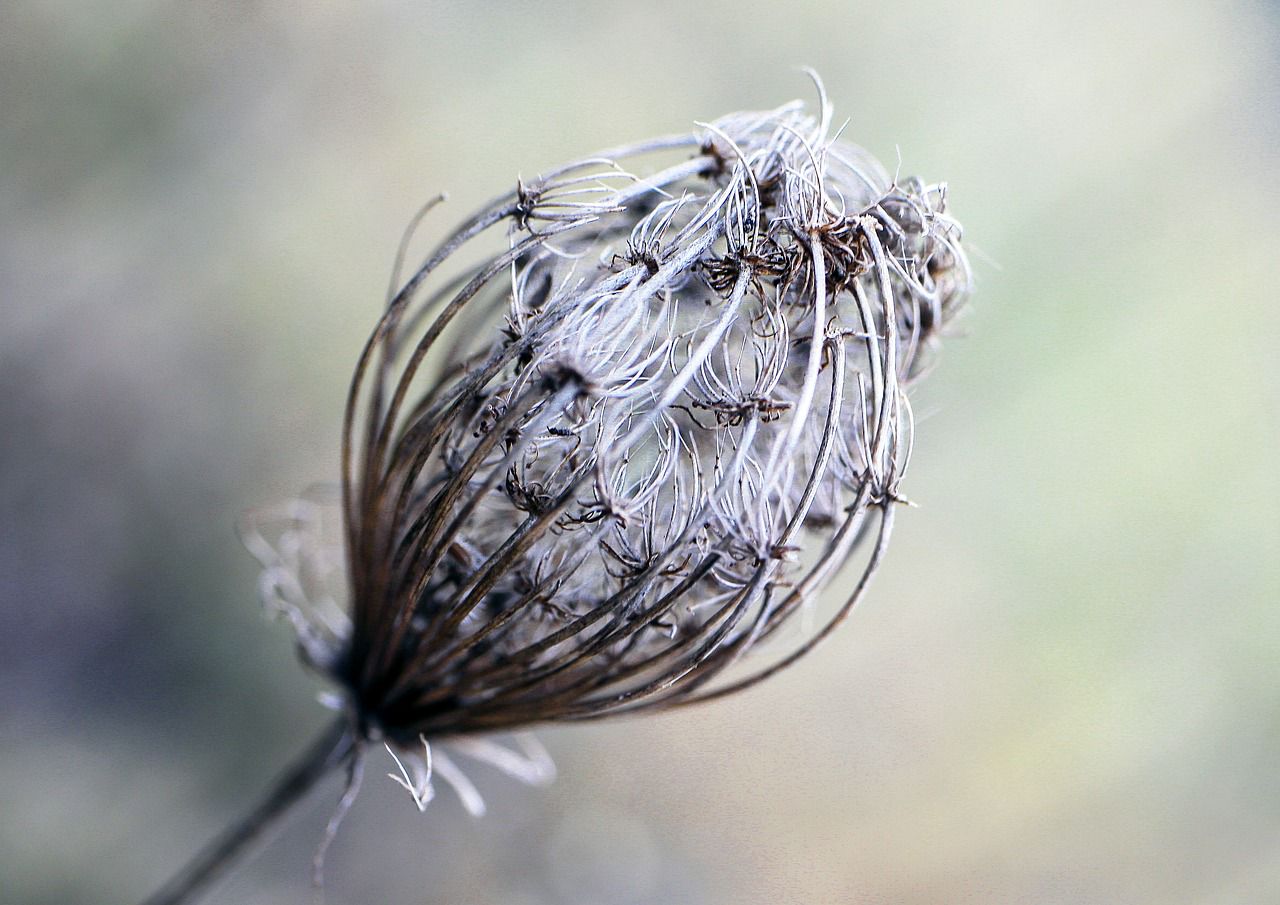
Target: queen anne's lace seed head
[{"x": 586, "y": 474}]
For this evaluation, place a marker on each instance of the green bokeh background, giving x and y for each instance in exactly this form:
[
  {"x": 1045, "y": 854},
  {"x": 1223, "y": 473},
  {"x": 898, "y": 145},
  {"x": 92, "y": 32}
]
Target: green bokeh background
[{"x": 1065, "y": 684}]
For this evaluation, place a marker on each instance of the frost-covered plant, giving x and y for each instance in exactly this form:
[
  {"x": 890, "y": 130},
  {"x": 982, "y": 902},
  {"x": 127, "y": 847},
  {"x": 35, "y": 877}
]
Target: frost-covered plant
[{"x": 586, "y": 471}]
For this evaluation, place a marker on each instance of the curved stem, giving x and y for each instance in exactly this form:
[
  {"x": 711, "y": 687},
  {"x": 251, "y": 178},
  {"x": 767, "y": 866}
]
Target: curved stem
[{"x": 331, "y": 750}]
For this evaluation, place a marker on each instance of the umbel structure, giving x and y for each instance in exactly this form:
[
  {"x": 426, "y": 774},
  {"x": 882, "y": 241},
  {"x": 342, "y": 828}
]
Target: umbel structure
[{"x": 611, "y": 436}]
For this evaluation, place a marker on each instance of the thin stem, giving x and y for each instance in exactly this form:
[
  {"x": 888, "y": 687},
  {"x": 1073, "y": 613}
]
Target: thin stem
[{"x": 331, "y": 750}]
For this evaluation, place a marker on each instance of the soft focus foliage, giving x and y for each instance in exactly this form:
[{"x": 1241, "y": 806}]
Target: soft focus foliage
[{"x": 1064, "y": 686}]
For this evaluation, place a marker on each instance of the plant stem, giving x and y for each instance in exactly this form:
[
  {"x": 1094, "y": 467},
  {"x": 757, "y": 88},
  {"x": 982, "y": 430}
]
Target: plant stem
[{"x": 331, "y": 750}]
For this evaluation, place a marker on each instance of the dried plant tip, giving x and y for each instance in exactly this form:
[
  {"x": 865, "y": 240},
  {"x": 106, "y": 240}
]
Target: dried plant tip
[
  {"x": 615, "y": 432},
  {"x": 662, "y": 415}
]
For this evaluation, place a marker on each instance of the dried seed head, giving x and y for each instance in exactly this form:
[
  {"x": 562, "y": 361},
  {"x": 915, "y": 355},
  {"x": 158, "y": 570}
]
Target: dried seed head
[{"x": 653, "y": 425}]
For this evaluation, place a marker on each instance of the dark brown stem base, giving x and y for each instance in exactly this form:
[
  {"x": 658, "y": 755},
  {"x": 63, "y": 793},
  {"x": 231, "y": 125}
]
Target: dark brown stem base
[{"x": 332, "y": 750}]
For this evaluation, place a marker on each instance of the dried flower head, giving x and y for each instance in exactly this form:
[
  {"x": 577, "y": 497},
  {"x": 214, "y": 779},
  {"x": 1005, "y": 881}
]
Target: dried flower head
[
  {"x": 589, "y": 466},
  {"x": 659, "y": 420}
]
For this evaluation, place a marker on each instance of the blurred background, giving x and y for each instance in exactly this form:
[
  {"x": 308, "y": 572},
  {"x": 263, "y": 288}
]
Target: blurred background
[{"x": 1065, "y": 684}]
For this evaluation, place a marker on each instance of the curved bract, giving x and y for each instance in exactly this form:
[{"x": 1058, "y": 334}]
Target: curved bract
[{"x": 590, "y": 472}]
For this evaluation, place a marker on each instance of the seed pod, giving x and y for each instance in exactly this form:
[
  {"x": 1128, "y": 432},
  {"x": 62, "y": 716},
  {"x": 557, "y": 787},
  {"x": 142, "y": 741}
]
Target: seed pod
[
  {"x": 587, "y": 471},
  {"x": 591, "y": 469}
]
